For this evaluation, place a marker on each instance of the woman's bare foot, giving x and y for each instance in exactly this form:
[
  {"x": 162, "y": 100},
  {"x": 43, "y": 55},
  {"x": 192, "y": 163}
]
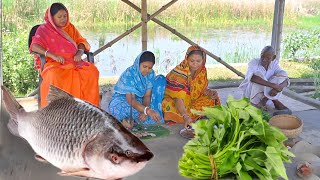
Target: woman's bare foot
[
  {"x": 261, "y": 104},
  {"x": 278, "y": 105},
  {"x": 127, "y": 123}
]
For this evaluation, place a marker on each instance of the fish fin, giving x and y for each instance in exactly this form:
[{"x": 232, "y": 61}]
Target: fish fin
[
  {"x": 56, "y": 93},
  {"x": 40, "y": 158},
  {"x": 87, "y": 146},
  {"x": 13, "y": 108},
  {"x": 83, "y": 172}
]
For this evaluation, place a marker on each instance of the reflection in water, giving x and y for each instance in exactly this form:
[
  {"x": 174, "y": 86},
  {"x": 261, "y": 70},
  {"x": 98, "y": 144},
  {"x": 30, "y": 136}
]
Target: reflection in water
[{"x": 233, "y": 46}]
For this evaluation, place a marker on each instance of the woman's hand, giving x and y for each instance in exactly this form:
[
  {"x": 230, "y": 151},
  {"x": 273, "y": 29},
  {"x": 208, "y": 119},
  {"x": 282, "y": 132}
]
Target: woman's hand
[
  {"x": 187, "y": 121},
  {"x": 273, "y": 92},
  {"x": 277, "y": 87},
  {"x": 142, "y": 117},
  {"x": 153, "y": 114},
  {"x": 213, "y": 94},
  {"x": 57, "y": 58},
  {"x": 78, "y": 55}
]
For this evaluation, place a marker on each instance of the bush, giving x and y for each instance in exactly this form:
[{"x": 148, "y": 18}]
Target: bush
[
  {"x": 19, "y": 74},
  {"x": 302, "y": 43}
]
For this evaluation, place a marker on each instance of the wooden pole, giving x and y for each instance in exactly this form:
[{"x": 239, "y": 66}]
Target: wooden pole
[
  {"x": 280, "y": 26},
  {"x": 277, "y": 26},
  {"x": 186, "y": 39},
  {"x": 133, "y": 28},
  {"x": 144, "y": 28}
]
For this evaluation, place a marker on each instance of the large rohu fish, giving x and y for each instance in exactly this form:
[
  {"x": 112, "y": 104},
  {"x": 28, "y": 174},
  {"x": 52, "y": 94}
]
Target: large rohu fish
[{"x": 77, "y": 137}]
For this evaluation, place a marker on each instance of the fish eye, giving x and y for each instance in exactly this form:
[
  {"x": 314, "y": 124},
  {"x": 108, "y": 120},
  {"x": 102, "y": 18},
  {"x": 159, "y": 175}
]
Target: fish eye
[{"x": 128, "y": 153}]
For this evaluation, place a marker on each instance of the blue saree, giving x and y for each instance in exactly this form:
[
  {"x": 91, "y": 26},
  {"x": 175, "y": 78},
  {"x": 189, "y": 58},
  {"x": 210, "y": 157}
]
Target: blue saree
[{"x": 132, "y": 81}]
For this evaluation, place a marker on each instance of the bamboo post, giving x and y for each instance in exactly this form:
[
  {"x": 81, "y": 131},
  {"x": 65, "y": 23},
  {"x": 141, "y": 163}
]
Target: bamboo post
[
  {"x": 218, "y": 59},
  {"x": 144, "y": 28},
  {"x": 277, "y": 26},
  {"x": 133, "y": 28},
  {"x": 280, "y": 22}
]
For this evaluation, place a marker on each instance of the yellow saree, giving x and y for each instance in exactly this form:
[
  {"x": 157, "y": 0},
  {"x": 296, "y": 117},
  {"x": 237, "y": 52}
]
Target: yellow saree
[{"x": 181, "y": 85}]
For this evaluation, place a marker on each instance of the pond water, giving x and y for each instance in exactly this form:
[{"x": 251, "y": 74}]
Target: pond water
[{"x": 233, "y": 46}]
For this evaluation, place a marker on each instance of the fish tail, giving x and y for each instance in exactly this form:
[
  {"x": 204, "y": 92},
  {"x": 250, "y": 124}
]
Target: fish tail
[{"x": 13, "y": 108}]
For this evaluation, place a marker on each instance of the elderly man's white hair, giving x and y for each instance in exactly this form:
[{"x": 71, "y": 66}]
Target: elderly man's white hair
[{"x": 267, "y": 50}]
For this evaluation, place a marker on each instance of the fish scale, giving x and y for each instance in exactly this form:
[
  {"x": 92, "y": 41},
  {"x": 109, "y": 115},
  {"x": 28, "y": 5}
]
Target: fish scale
[
  {"x": 59, "y": 136},
  {"x": 77, "y": 137}
]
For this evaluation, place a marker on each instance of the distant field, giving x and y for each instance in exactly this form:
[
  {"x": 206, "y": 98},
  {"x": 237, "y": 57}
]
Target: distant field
[{"x": 114, "y": 14}]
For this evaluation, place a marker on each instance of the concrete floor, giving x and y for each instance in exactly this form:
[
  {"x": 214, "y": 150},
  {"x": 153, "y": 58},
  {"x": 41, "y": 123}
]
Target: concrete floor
[{"x": 17, "y": 162}]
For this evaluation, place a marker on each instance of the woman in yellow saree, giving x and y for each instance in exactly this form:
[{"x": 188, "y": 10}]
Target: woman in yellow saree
[{"x": 187, "y": 88}]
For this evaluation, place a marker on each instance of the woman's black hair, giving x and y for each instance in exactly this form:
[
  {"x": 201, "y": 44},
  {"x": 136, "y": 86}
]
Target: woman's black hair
[
  {"x": 55, "y": 7},
  {"x": 197, "y": 52},
  {"x": 147, "y": 56}
]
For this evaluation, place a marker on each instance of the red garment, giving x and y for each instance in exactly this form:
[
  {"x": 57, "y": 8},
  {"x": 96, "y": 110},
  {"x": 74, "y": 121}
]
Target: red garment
[{"x": 77, "y": 78}]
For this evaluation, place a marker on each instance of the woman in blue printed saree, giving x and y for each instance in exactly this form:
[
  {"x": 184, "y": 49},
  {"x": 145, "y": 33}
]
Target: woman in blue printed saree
[{"x": 138, "y": 93}]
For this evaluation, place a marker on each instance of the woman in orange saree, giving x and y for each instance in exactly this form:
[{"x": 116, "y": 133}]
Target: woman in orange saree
[
  {"x": 63, "y": 46},
  {"x": 187, "y": 88}
]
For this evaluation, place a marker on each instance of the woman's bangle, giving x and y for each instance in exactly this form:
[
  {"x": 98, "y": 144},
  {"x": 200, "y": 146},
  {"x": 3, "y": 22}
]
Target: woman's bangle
[
  {"x": 46, "y": 53},
  {"x": 81, "y": 50},
  {"x": 145, "y": 110}
]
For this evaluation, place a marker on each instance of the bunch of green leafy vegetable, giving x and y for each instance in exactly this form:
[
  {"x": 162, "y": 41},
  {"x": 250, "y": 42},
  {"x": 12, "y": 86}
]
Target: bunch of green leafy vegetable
[{"x": 234, "y": 141}]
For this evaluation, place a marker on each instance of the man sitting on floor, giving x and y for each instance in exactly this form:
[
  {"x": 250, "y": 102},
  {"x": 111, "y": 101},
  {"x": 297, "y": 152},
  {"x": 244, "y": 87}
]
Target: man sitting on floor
[{"x": 265, "y": 81}]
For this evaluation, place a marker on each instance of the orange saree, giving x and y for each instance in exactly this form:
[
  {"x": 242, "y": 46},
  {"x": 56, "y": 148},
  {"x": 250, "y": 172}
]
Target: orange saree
[
  {"x": 191, "y": 90},
  {"x": 77, "y": 78}
]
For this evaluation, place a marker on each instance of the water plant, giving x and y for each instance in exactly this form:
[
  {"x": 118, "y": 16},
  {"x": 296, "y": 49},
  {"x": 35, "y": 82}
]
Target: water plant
[{"x": 302, "y": 44}]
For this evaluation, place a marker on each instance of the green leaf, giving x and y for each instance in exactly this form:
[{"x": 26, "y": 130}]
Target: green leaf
[
  {"x": 242, "y": 174},
  {"x": 240, "y": 103},
  {"x": 217, "y": 113},
  {"x": 275, "y": 161},
  {"x": 260, "y": 176},
  {"x": 254, "y": 112},
  {"x": 243, "y": 115},
  {"x": 257, "y": 129},
  {"x": 258, "y": 152},
  {"x": 252, "y": 163},
  {"x": 239, "y": 146},
  {"x": 277, "y": 133},
  {"x": 229, "y": 162}
]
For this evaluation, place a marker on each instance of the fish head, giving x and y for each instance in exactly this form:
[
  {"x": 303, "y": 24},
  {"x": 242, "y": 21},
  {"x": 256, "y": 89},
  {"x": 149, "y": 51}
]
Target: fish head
[{"x": 115, "y": 154}]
